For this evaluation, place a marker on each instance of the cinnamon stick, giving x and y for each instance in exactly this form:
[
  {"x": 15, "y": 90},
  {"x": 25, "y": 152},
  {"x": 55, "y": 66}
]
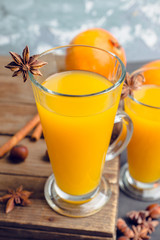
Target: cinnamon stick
[
  {"x": 37, "y": 133},
  {"x": 19, "y": 135}
]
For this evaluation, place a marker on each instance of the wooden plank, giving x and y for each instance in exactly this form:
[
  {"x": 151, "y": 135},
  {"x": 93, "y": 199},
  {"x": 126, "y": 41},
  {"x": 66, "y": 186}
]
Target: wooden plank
[
  {"x": 21, "y": 92},
  {"x": 41, "y": 235},
  {"x": 40, "y": 216},
  {"x": 14, "y": 116},
  {"x": 4, "y": 60},
  {"x": 34, "y": 165}
]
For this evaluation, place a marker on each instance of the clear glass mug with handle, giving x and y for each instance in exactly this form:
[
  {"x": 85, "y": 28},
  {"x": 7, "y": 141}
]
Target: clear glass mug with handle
[
  {"x": 140, "y": 177},
  {"x": 77, "y": 104}
]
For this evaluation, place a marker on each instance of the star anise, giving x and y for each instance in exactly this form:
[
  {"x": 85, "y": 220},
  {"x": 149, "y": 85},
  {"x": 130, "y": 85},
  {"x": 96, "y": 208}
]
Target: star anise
[
  {"x": 132, "y": 82},
  {"x": 140, "y": 232},
  {"x": 150, "y": 224},
  {"x": 25, "y": 63},
  {"x": 138, "y": 216},
  {"x": 18, "y": 197}
]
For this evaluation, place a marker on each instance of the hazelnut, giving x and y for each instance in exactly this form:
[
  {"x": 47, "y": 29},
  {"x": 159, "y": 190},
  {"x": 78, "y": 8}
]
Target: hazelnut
[
  {"x": 152, "y": 206},
  {"x": 154, "y": 210},
  {"x": 123, "y": 238},
  {"x": 155, "y": 213},
  {"x": 46, "y": 157},
  {"x": 18, "y": 153}
]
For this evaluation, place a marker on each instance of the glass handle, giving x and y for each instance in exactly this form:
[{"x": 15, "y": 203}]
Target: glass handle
[{"x": 124, "y": 137}]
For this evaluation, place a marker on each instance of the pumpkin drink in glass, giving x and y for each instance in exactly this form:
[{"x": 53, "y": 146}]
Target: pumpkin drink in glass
[
  {"x": 140, "y": 179},
  {"x": 77, "y": 107}
]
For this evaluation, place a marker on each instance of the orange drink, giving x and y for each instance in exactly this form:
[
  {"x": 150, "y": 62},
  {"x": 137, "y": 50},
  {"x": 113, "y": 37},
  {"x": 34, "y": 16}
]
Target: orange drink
[
  {"x": 77, "y": 108},
  {"x": 77, "y": 138},
  {"x": 140, "y": 177},
  {"x": 143, "y": 149}
]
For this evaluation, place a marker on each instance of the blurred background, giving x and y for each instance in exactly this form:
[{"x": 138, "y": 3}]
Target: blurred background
[{"x": 44, "y": 24}]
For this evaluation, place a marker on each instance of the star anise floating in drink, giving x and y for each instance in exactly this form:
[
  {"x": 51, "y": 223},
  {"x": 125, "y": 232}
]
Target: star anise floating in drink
[
  {"x": 131, "y": 83},
  {"x": 14, "y": 198},
  {"x": 22, "y": 65}
]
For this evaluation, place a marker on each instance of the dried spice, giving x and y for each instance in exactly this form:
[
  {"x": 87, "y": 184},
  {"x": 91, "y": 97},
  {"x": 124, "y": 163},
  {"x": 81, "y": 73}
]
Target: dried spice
[
  {"x": 21, "y": 65},
  {"x": 143, "y": 223},
  {"x": 19, "y": 135},
  {"x": 18, "y": 197},
  {"x": 150, "y": 224},
  {"x": 131, "y": 83},
  {"x": 140, "y": 233},
  {"x": 138, "y": 216}
]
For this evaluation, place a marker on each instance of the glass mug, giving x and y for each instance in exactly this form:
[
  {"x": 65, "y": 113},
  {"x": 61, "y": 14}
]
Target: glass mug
[
  {"x": 140, "y": 177},
  {"x": 77, "y": 106}
]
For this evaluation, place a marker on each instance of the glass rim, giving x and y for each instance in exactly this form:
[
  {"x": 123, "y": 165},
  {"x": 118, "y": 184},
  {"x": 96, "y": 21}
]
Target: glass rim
[
  {"x": 115, "y": 85},
  {"x": 143, "y": 104},
  {"x": 140, "y": 70}
]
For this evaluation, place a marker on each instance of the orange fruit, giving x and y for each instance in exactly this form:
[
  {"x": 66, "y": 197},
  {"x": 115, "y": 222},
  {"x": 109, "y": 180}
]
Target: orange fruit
[
  {"x": 92, "y": 59},
  {"x": 152, "y": 72}
]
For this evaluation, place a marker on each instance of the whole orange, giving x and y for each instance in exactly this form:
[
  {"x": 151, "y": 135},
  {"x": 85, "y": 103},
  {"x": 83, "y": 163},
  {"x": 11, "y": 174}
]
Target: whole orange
[
  {"x": 92, "y": 59},
  {"x": 152, "y": 72}
]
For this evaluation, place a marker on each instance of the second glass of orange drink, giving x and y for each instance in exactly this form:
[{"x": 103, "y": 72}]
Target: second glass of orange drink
[
  {"x": 141, "y": 177},
  {"x": 77, "y": 99}
]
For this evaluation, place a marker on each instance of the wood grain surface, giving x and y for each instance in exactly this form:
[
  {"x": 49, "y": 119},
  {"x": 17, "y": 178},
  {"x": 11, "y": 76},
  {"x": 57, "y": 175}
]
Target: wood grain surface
[{"x": 39, "y": 221}]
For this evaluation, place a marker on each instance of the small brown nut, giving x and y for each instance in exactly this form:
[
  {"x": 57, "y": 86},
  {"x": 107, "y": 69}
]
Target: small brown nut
[
  {"x": 152, "y": 206},
  {"x": 46, "y": 157},
  {"x": 123, "y": 238},
  {"x": 154, "y": 210},
  {"x": 18, "y": 153},
  {"x": 155, "y": 213}
]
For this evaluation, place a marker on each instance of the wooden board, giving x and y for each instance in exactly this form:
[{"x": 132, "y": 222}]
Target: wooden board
[{"x": 39, "y": 221}]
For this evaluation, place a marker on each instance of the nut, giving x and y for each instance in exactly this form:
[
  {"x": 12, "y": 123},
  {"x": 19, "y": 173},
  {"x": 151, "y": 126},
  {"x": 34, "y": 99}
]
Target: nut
[
  {"x": 155, "y": 213},
  {"x": 152, "y": 206},
  {"x": 18, "y": 153},
  {"x": 154, "y": 210},
  {"x": 46, "y": 156},
  {"x": 123, "y": 238}
]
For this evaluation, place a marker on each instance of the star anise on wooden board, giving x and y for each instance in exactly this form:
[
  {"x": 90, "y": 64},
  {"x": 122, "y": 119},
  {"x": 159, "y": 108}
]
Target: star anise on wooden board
[
  {"x": 131, "y": 83},
  {"x": 25, "y": 63},
  {"x": 18, "y": 197}
]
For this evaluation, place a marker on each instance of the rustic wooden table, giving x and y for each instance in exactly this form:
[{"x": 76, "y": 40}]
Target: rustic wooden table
[{"x": 39, "y": 221}]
